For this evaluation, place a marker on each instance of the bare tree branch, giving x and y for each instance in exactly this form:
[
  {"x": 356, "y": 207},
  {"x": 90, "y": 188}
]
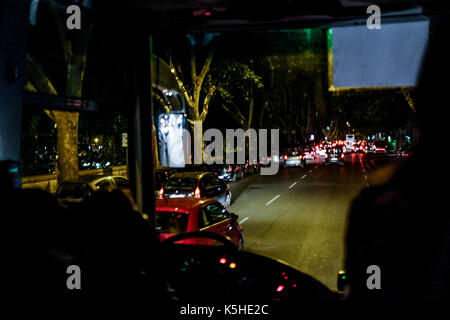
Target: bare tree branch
[
  {"x": 180, "y": 84},
  {"x": 207, "y": 64},
  {"x": 38, "y": 78},
  {"x": 238, "y": 117},
  {"x": 206, "y": 102},
  {"x": 66, "y": 45},
  {"x": 161, "y": 101},
  {"x": 193, "y": 66}
]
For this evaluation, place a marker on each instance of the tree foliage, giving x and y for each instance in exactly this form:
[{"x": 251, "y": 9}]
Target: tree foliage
[{"x": 236, "y": 86}]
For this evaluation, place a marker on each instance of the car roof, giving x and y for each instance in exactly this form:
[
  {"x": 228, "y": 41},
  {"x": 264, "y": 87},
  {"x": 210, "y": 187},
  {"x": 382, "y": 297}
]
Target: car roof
[
  {"x": 189, "y": 174},
  {"x": 186, "y": 205},
  {"x": 89, "y": 179}
]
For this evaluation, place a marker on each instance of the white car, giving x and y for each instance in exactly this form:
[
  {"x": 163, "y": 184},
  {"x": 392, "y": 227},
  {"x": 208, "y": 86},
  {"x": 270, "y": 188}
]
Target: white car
[{"x": 73, "y": 192}]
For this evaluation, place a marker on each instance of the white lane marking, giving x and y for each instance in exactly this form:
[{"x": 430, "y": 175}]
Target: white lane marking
[
  {"x": 269, "y": 202},
  {"x": 292, "y": 185},
  {"x": 304, "y": 176},
  {"x": 243, "y": 220}
]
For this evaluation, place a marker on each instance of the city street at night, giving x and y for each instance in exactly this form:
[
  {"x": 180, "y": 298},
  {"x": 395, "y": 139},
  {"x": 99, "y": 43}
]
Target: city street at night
[
  {"x": 299, "y": 215},
  {"x": 223, "y": 159}
]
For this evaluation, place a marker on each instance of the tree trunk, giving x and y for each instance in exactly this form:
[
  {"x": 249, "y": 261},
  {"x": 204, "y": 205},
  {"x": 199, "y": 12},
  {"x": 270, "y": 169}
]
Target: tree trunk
[
  {"x": 67, "y": 126},
  {"x": 198, "y": 142},
  {"x": 75, "y": 75},
  {"x": 67, "y": 144}
]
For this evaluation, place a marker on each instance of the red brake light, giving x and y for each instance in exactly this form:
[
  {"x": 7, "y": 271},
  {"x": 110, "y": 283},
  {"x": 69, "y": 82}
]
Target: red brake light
[
  {"x": 161, "y": 192},
  {"x": 197, "y": 193},
  {"x": 230, "y": 169},
  {"x": 342, "y": 156}
]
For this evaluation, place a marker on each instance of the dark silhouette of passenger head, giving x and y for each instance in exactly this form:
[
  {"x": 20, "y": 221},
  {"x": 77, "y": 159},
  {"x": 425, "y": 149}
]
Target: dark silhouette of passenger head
[
  {"x": 432, "y": 93},
  {"x": 403, "y": 226},
  {"x": 120, "y": 247},
  {"x": 35, "y": 234}
]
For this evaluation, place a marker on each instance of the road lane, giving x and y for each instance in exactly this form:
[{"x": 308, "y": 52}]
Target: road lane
[{"x": 305, "y": 221}]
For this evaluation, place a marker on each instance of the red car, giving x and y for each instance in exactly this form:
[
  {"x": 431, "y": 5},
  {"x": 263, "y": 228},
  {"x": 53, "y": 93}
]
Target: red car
[{"x": 177, "y": 215}]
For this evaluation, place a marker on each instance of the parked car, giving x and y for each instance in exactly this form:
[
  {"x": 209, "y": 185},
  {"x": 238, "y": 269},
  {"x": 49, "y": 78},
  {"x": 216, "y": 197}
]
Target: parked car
[
  {"x": 335, "y": 155},
  {"x": 174, "y": 216},
  {"x": 73, "y": 192},
  {"x": 197, "y": 185},
  {"x": 161, "y": 177},
  {"x": 250, "y": 169},
  {"x": 227, "y": 172}
]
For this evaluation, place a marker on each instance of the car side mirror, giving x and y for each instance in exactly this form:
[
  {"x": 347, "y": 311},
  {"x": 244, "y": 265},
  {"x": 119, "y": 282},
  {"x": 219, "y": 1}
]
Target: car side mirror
[
  {"x": 234, "y": 216},
  {"x": 342, "y": 281}
]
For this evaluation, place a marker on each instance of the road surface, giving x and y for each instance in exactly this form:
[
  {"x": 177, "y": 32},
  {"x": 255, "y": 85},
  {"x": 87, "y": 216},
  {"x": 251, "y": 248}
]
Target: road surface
[{"x": 299, "y": 215}]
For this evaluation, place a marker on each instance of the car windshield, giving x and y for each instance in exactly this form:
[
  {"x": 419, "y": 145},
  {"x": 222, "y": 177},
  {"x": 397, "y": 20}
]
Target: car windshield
[
  {"x": 176, "y": 182},
  {"x": 171, "y": 222},
  {"x": 202, "y": 93},
  {"x": 74, "y": 190}
]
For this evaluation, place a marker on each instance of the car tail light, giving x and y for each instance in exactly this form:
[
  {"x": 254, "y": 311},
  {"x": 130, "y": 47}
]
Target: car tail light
[
  {"x": 299, "y": 157},
  {"x": 230, "y": 169},
  {"x": 280, "y": 288},
  {"x": 326, "y": 155},
  {"x": 161, "y": 193},
  {"x": 285, "y": 157},
  {"x": 342, "y": 156},
  {"x": 197, "y": 193}
]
